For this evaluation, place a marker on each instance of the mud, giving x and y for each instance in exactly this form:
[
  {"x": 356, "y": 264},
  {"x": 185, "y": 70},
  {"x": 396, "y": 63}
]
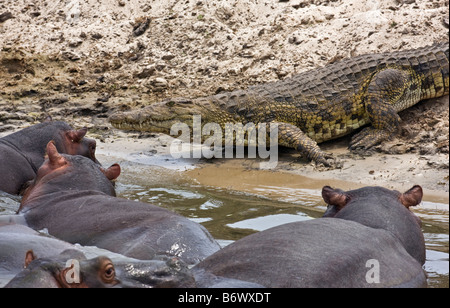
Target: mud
[{"x": 79, "y": 61}]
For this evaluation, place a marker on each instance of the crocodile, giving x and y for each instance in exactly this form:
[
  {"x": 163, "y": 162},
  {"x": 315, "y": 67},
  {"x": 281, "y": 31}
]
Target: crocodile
[{"x": 317, "y": 105}]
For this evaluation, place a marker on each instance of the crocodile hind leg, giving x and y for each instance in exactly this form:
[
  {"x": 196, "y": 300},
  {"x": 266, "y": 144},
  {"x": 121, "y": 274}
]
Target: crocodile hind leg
[
  {"x": 291, "y": 136},
  {"x": 389, "y": 91}
]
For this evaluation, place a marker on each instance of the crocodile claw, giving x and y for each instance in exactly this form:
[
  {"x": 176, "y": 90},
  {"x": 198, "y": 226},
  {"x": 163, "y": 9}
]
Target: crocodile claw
[
  {"x": 368, "y": 138},
  {"x": 329, "y": 161}
]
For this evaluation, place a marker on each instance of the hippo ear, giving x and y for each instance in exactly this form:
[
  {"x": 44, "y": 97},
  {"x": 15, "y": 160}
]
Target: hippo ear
[
  {"x": 112, "y": 172},
  {"x": 76, "y": 135},
  {"x": 56, "y": 160},
  {"x": 412, "y": 197},
  {"x": 69, "y": 272},
  {"x": 29, "y": 257},
  {"x": 335, "y": 197}
]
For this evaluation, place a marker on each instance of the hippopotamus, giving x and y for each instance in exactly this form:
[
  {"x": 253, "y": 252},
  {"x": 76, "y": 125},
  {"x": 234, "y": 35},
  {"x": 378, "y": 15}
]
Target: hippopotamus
[
  {"x": 22, "y": 153},
  {"x": 16, "y": 239},
  {"x": 71, "y": 269},
  {"x": 368, "y": 238},
  {"x": 75, "y": 200}
]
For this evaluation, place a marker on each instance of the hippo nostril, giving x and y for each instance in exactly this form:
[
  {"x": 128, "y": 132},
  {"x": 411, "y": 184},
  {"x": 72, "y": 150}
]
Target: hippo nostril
[{"x": 93, "y": 146}]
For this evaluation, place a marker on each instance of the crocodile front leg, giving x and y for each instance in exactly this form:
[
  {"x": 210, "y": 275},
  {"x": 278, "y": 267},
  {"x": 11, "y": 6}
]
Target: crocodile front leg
[
  {"x": 389, "y": 91},
  {"x": 291, "y": 136}
]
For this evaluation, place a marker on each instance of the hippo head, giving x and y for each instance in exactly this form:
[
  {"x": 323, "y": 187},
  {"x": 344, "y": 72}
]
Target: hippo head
[
  {"x": 61, "y": 172},
  {"x": 67, "y": 140},
  {"x": 74, "y": 142},
  {"x": 383, "y": 209},
  {"x": 64, "y": 272},
  {"x": 71, "y": 269},
  {"x": 337, "y": 199}
]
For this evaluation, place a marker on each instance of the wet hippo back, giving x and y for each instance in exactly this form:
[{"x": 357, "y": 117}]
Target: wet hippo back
[
  {"x": 318, "y": 253},
  {"x": 373, "y": 240},
  {"x": 131, "y": 228}
]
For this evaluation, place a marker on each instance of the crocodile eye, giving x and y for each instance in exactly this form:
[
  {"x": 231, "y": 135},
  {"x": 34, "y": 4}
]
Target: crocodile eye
[{"x": 171, "y": 104}]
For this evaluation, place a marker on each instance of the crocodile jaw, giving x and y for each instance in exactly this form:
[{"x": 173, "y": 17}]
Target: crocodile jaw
[{"x": 157, "y": 118}]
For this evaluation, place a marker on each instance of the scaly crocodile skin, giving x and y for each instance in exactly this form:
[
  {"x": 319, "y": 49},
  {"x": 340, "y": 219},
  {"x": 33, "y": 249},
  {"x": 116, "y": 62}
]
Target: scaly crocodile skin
[{"x": 320, "y": 104}]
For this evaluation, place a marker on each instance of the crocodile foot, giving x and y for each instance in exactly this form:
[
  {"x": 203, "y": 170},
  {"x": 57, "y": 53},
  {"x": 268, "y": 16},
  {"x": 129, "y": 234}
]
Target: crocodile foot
[
  {"x": 328, "y": 160},
  {"x": 368, "y": 138}
]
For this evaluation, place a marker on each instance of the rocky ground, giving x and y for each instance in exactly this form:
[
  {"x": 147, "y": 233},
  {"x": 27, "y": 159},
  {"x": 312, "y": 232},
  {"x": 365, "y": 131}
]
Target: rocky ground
[{"x": 80, "y": 60}]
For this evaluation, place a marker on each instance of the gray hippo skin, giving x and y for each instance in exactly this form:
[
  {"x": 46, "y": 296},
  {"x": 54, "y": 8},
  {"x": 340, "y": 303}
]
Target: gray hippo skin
[
  {"x": 45, "y": 259},
  {"x": 334, "y": 252},
  {"x": 74, "y": 199},
  {"x": 16, "y": 240},
  {"x": 381, "y": 208},
  {"x": 22, "y": 153},
  {"x": 71, "y": 269}
]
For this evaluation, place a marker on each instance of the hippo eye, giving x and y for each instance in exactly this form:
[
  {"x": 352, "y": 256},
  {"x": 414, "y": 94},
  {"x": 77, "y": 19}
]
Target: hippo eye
[{"x": 109, "y": 274}]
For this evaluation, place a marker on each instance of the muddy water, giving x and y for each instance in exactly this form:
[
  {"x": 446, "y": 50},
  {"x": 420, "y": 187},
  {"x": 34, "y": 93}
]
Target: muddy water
[{"x": 232, "y": 202}]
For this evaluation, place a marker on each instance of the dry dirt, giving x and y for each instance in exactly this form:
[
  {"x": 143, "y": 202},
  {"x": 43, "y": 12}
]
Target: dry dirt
[{"x": 80, "y": 60}]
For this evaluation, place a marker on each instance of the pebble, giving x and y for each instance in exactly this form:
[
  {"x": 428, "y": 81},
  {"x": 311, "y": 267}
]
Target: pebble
[
  {"x": 146, "y": 72},
  {"x": 141, "y": 26},
  {"x": 5, "y": 16}
]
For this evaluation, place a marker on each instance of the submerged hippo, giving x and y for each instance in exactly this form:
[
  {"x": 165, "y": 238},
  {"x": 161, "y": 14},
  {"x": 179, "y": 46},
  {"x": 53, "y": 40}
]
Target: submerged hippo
[
  {"x": 16, "y": 240},
  {"x": 74, "y": 199},
  {"x": 22, "y": 153},
  {"x": 373, "y": 241},
  {"x": 71, "y": 269}
]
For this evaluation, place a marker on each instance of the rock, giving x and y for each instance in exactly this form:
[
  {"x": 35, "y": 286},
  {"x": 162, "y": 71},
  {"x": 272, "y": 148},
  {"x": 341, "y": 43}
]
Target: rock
[
  {"x": 75, "y": 43},
  {"x": 69, "y": 55},
  {"x": 427, "y": 149},
  {"x": 161, "y": 81},
  {"x": 158, "y": 84},
  {"x": 5, "y": 16},
  {"x": 141, "y": 25},
  {"x": 96, "y": 36},
  {"x": 104, "y": 98},
  {"x": 295, "y": 40},
  {"x": 168, "y": 57},
  {"x": 406, "y": 1},
  {"x": 146, "y": 72}
]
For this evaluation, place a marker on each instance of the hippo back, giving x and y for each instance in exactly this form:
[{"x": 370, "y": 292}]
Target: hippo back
[
  {"x": 31, "y": 141},
  {"x": 131, "y": 228},
  {"x": 317, "y": 253}
]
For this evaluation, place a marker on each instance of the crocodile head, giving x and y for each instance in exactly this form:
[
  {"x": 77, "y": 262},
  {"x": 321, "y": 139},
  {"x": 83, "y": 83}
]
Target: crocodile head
[{"x": 157, "y": 117}]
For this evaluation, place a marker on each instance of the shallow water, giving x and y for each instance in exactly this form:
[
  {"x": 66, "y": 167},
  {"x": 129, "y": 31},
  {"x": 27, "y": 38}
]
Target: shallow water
[{"x": 230, "y": 215}]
